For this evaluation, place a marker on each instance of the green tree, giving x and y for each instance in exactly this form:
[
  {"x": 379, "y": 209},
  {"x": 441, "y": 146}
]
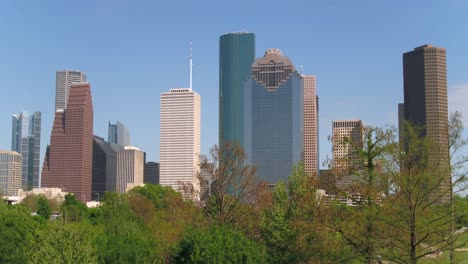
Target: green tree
[
  {"x": 63, "y": 243},
  {"x": 218, "y": 245},
  {"x": 72, "y": 210},
  {"x": 43, "y": 208}
]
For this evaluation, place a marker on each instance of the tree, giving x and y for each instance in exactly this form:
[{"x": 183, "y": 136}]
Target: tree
[
  {"x": 72, "y": 210},
  {"x": 43, "y": 208},
  {"x": 361, "y": 226},
  {"x": 233, "y": 183},
  {"x": 417, "y": 223},
  {"x": 218, "y": 244}
]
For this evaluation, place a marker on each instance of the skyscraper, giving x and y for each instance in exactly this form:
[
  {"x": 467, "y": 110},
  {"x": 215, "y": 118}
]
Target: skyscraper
[
  {"x": 104, "y": 168},
  {"x": 425, "y": 102},
  {"x": 130, "y": 168},
  {"x": 64, "y": 79},
  {"x": 311, "y": 159},
  {"x": 26, "y": 139},
  {"x": 179, "y": 138},
  {"x": 347, "y": 140},
  {"x": 10, "y": 172},
  {"x": 118, "y": 134},
  {"x": 236, "y": 55},
  {"x": 273, "y": 117},
  {"x": 69, "y": 158},
  {"x": 151, "y": 174}
]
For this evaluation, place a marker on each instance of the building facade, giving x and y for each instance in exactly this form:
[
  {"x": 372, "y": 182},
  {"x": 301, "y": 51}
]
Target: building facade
[
  {"x": 311, "y": 144},
  {"x": 10, "y": 173},
  {"x": 273, "y": 117},
  {"x": 347, "y": 140},
  {"x": 104, "y": 168},
  {"x": 118, "y": 134},
  {"x": 151, "y": 174},
  {"x": 68, "y": 161},
  {"x": 179, "y": 138},
  {"x": 236, "y": 55},
  {"x": 63, "y": 81},
  {"x": 130, "y": 168},
  {"x": 426, "y": 103},
  {"x": 26, "y": 139}
]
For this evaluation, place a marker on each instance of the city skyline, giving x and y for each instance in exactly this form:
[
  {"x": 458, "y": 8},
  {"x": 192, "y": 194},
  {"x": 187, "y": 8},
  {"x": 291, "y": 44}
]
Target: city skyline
[{"x": 340, "y": 66}]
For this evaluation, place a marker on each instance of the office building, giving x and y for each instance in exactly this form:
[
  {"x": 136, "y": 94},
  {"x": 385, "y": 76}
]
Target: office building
[
  {"x": 118, "y": 134},
  {"x": 311, "y": 150},
  {"x": 273, "y": 117},
  {"x": 26, "y": 140},
  {"x": 104, "y": 168},
  {"x": 130, "y": 168},
  {"x": 63, "y": 81},
  {"x": 347, "y": 140},
  {"x": 425, "y": 103},
  {"x": 151, "y": 174},
  {"x": 236, "y": 55},
  {"x": 10, "y": 172},
  {"x": 68, "y": 161},
  {"x": 179, "y": 138}
]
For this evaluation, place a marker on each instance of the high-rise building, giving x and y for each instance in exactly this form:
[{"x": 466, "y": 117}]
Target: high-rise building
[
  {"x": 274, "y": 117},
  {"x": 347, "y": 140},
  {"x": 130, "y": 168},
  {"x": 118, "y": 134},
  {"x": 10, "y": 172},
  {"x": 64, "y": 79},
  {"x": 311, "y": 157},
  {"x": 179, "y": 138},
  {"x": 26, "y": 139},
  {"x": 151, "y": 174},
  {"x": 425, "y": 102},
  {"x": 236, "y": 55},
  {"x": 104, "y": 168},
  {"x": 68, "y": 161}
]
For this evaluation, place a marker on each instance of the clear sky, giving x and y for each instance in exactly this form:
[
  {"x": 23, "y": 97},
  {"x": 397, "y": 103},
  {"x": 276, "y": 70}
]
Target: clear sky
[{"x": 134, "y": 50}]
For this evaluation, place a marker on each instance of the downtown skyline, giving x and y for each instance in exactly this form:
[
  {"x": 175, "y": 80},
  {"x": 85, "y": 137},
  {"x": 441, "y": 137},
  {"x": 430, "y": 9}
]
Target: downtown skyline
[{"x": 362, "y": 72}]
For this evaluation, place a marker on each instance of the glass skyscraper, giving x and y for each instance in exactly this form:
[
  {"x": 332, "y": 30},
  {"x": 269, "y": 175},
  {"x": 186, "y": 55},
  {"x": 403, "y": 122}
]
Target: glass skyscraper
[
  {"x": 236, "y": 55},
  {"x": 26, "y": 140},
  {"x": 118, "y": 134},
  {"x": 273, "y": 117}
]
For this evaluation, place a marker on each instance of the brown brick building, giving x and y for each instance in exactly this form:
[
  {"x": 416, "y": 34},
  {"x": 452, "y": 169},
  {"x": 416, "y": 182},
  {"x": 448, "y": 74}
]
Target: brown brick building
[{"x": 68, "y": 160}]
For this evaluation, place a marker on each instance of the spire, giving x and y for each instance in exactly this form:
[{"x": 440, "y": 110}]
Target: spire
[{"x": 190, "y": 66}]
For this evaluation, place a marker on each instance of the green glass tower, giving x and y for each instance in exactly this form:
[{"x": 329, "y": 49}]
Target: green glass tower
[{"x": 236, "y": 56}]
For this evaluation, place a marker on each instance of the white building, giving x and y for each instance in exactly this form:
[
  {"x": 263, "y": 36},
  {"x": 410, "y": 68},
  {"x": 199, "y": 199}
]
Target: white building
[
  {"x": 10, "y": 172},
  {"x": 130, "y": 168},
  {"x": 63, "y": 81},
  {"x": 180, "y": 138}
]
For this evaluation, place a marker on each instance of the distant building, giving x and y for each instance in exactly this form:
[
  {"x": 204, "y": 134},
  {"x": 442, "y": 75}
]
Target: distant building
[
  {"x": 426, "y": 104},
  {"x": 26, "y": 139},
  {"x": 347, "y": 140},
  {"x": 179, "y": 138},
  {"x": 10, "y": 172},
  {"x": 104, "y": 168},
  {"x": 236, "y": 55},
  {"x": 118, "y": 134},
  {"x": 151, "y": 174},
  {"x": 130, "y": 168},
  {"x": 274, "y": 117},
  {"x": 64, "y": 79},
  {"x": 311, "y": 128},
  {"x": 68, "y": 161}
]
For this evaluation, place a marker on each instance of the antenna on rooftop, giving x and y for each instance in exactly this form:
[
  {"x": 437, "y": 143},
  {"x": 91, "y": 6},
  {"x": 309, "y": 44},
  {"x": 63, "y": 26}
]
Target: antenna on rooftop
[
  {"x": 301, "y": 70},
  {"x": 190, "y": 66}
]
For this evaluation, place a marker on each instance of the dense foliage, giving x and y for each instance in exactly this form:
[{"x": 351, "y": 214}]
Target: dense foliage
[{"x": 398, "y": 218}]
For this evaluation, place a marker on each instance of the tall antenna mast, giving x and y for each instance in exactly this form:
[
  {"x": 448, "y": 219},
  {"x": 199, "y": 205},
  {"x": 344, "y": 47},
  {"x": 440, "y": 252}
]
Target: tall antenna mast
[{"x": 190, "y": 66}]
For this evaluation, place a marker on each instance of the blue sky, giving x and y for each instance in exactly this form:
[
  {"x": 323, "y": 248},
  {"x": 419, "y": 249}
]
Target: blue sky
[{"x": 134, "y": 50}]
